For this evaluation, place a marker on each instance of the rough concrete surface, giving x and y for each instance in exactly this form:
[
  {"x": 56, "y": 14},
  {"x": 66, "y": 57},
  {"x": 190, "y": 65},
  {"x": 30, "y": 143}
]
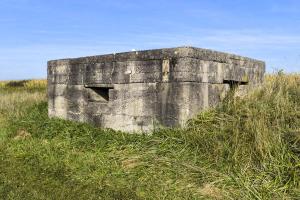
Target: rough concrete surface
[{"x": 142, "y": 90}]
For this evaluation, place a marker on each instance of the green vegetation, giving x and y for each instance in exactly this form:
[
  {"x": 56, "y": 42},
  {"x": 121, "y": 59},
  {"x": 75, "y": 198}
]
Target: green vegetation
[{"x": 247, "y": 148}]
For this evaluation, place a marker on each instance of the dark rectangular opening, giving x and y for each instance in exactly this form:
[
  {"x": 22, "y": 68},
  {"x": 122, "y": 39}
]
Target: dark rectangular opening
[
  {"x": 103, "y": 92},
  {"x": 234, "y": 84},
  {"x": 98, "y": 93}
]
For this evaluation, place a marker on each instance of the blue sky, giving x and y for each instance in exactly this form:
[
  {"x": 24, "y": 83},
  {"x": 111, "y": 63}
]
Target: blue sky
[{"x": 34, "y": 31}]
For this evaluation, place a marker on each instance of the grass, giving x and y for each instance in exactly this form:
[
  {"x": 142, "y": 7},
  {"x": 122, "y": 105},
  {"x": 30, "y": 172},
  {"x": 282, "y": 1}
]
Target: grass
[
  {"x": 24, "y": 84},
  {"x": 246, "y": 148}
]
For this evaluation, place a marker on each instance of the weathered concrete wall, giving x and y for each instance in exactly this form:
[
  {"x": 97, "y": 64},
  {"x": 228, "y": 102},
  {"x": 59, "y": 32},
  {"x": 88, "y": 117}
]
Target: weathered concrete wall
[{"x": 142, "y": 90}]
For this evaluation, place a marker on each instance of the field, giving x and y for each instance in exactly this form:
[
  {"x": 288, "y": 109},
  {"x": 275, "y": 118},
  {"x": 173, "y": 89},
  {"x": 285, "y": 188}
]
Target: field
[{"x": 246, "y": 148}]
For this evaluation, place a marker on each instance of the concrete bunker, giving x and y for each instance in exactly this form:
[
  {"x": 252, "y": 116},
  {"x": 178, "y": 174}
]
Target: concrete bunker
[{"x": 142, "y": 90}]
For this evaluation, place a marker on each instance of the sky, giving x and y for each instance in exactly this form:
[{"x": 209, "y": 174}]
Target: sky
[{"x": 35, "y": 31}]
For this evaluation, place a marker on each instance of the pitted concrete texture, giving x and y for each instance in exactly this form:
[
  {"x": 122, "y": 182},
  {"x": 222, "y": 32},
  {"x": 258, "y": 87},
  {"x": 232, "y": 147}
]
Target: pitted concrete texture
[{"x": 143, "y": 90}]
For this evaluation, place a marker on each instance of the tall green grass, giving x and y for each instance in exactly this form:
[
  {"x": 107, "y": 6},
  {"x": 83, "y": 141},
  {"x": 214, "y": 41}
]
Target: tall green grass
[{"x": 246, "y": 148}]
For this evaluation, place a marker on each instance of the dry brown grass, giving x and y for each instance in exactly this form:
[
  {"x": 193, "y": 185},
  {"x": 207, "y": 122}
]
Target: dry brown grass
[
  {"x": 36, "y": 84},
  {"x": 10, "y": 101},
  {"x": 14, "y": 100},
  {"x": 25, "y": 84}
]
